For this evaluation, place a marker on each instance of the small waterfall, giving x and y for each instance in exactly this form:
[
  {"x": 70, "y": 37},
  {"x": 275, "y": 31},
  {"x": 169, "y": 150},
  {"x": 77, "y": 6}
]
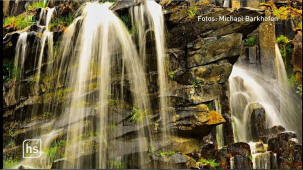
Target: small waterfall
[
  {"x": 260, "y": 156},
  {"x": 45, "y": 14},
  {"x": 281, "y": 105},
  {"x": 21, "y": 52},
  {"x": 103, "y": 44}
]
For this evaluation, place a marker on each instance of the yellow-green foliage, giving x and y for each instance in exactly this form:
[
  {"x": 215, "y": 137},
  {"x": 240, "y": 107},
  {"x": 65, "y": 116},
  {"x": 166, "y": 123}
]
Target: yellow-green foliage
[
  {"x": 286, "y": 11},
  {"x": 52, "y": 152},
  {"x": 62, "y": 20},
  {"x": 282, "y": 39},
  {"x": 37, "y": 4},
  {"x": 250, "y": 41},
  {"x": 138, "y": 115},
  {"x": 168, "y": 153},
  {"x": 192, "y": 12},
  {"x": 209, "y": 162},
  {"x": 19, "y": 22},
  {"x": 9, "y": 163}
]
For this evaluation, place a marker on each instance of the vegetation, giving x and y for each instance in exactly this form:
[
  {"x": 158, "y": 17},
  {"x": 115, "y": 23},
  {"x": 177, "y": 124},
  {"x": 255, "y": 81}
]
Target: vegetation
[
  {"x": 168, "y": 153},
  {"x": 286, "y": 48},
  {"x": 171, "y": 75},
  {"x": 209, "y": 162},
  {"x": 197, "y": 83},
  {"x": 138, "y": 115},
  {"x": 115, "y": 164},
  {"x": 299, "y": 90},
  {"x": 10, "y": 162},
  {"x": 53, "y": 150},
  {"x": 8, "y": 72},
  {"x": 19, "y": 22},
  {"x": 250, "y": 41},
  {"x": 192, "y": 12},
  {"x": 62, "y": 20},
  {"x": 127, "y": 22},
  {"x": 37, "y": 4}
]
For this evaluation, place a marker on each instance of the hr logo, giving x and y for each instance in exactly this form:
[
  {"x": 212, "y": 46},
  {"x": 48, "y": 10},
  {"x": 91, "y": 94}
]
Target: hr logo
[{"x": 32, "y": 148}]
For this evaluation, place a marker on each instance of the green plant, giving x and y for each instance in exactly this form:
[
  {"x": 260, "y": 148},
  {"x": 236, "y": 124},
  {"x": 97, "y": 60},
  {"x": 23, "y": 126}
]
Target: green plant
[
  {"x": 37, "y": 4},
  {"x": 282, "y": 39},
  {"x": 250, "y": 157},
  {"x": 62, "y": 20},
  {"x": 250, "y": 41},
  {"x": 168, "y": 153},
  {"x": 171, "y": 75},
  {"x": 8, "y": 72},
  {"x": 299, "y": 90},
  {"x": 53, "y": 150},
  {"x": 19, "y": 22},
  {"x": 209, "y": 162},
  {"x": 192, "y": 12},
  {"x": 197, "y": 83},
  {"x": 138, "y": 115},
  {"x": 9, "y": 163}
]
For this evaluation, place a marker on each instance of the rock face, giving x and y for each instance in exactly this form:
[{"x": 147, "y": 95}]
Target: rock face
[
  {"x": 288, "y": 150},
  {"x": 258, "y": 121}
]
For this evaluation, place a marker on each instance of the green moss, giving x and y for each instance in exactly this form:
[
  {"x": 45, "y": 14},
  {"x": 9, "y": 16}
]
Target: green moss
[
  {"x": 209, "y": 162},
  {"x": 138, "y": 115},
  {"x": 171, "y": 75},
  {"x": 250, "y": 41},
  {"x": 299, "y": 90},
  {"x": 10, "y": 163},
  {"x": 19, "y": 22},
  {"x": 37, "y": 4},
  {"x": 168, "y": 153},
  {"x": 62, "y": 20},
  {"x": 197, "y": 83}
]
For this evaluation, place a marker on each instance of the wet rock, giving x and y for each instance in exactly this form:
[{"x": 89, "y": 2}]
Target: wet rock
[
  {"x": 288, "y": 151},
  {"x": 259, "y": 147},
  {"x": 59, "y": 164},
  {"x": 209, "y": 151},
  {"x": 239, "y": 148},
  {"x": 195, "y": 120},
  {"x": 257, "y": 121},
  {"x": 297, "y": 52},
  {"x": 241, "y": 162},
  {"x": 191, "y": 28},
  {"x": 212, "y": 49}
]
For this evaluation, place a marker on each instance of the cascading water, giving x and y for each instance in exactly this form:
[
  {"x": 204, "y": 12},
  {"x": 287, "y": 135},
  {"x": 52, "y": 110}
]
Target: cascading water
[
  {"x": 248, "y": 87},
  {"x": 96, "y": 51},
  {"x": 152, "y": 12},
  {"x": 104, "y": 43}
]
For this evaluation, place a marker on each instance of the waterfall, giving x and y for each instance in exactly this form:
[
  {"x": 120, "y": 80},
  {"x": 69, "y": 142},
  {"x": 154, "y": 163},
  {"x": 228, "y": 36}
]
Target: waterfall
[
  {"x": 153, "y": 13},
  {"x": 102, "y": 45},
  {"x": 247, "y": 87},
  {"x": 45, "y": 14}
]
